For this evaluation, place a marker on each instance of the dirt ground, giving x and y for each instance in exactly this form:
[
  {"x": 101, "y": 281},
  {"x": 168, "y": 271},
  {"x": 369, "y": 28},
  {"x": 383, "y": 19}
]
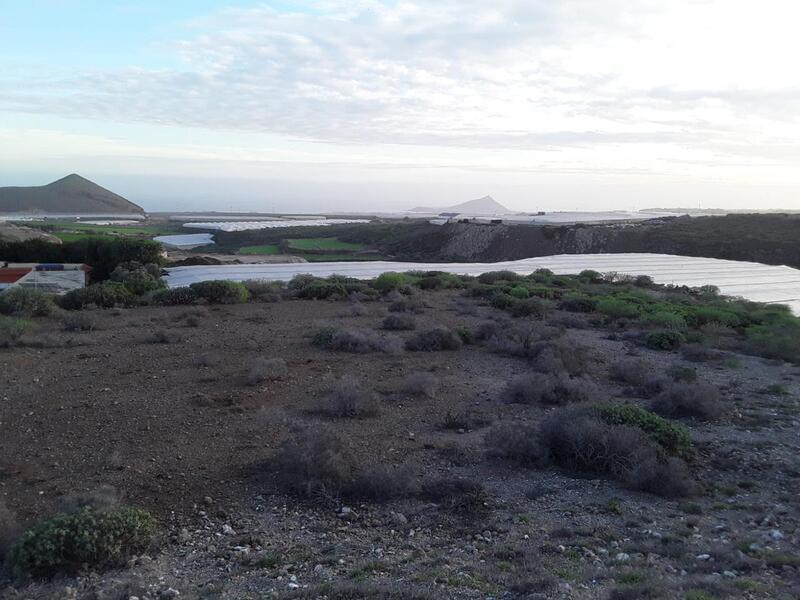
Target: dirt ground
[{"x": 173, "y": 426}]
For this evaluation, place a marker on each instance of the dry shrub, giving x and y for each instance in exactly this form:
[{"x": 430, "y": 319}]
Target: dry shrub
[
  {"x": 266, "y": 369},
  {"x": 632, "y": 371},
  {"x": 78, "y": 321},
  {"x": 420, "y": 384},
  {"x": 699, "y": 353},
  {"x": 689, "y": 400},
  {"x": 569, "y": 321},
  {"x": 464, "y": 420},
  {"x": 578, "y": 440},
  {"x": 9, "y": 529},
  {"x": 380, "y": 484},
  {"x": 461, "y": 496},
  {"x": 314, "y": 464},
  {"x": 559, "y": 389},
  {"x": 556, "y": 356},
  {"x": 354, "y": 309},
  {"x": 432, "y": 340},
  {"x": 346, "y": 400},
  {"x": 407, "y": 305},
  {"x": 162, "y": 336},
  {"x": 399, "y": 322},
  {"x": 362, "y": 341}
]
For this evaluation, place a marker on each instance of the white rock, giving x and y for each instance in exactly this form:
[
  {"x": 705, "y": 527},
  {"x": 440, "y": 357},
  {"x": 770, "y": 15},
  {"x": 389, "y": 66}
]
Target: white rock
[
  {"x": 703, "y": 557},
  {"x": 623, "y": 557},
  {"x": 775, "y": 534},
  {"x": 228, "y": 530},
  {"x": 729, "y": 574}
]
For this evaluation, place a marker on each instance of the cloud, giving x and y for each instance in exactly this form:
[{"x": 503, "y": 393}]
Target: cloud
[{"x": 665, "y": 78}]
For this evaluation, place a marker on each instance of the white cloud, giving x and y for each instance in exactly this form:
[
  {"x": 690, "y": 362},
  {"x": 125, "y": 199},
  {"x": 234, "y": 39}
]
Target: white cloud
[{"x": 688, "y": 88}]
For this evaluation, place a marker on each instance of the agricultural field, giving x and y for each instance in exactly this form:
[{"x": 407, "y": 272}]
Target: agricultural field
[
  {"x": 325, "y": 244},
  {"x": 268, "y": 249},
  {"x": 414, "y": 437},
  {"x": 69, "y": 231}
]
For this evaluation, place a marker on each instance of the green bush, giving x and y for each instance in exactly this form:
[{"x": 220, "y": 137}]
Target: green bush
[
  {"x": 519, "y": 292},
  {"x": 531, "y": 307},
  {"x": 703, "y": 315},
  {"x": 102, "y": 295},
  {"x": 589, "y": 276},
  {"x": 175, "y": 296},
  {"x": 493, "y": 277},
  {"x": 674, "y": 438},
  {"x": 387, "y": 282},
  {"x": 577, "y": 303},
  {"x": 502, "y": 301},
  {"x": 220, "y": 291},
  {"x": 323, "y": 337},
  {"x": 11, "y": 330},
  {"x": 138, "y": 278},
  {"x": 774, "y": 341},
  {"x": 25, "y": 302},
  {"x": 616, "y": 308},
  {"x": 67, "y": 542},
  {"x": 666, "y": 319},
  {"x": 664, "y": 340}
]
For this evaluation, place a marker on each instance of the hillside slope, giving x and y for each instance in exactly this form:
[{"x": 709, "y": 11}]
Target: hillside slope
[
  {"x": 71, "y": 194},
  {"x": 481, "y": 206}
]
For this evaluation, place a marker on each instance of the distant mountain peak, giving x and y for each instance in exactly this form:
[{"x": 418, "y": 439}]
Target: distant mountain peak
[
  {"x": 487, "y": 206},
  {"x": 72, "y": 194}
]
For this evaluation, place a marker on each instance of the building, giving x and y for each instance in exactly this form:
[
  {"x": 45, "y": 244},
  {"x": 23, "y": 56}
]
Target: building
[{"x": 56, "y": 278}]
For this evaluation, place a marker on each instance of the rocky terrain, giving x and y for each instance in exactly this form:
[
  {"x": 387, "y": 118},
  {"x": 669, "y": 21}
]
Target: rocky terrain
[{"x": 183, "y": 411}]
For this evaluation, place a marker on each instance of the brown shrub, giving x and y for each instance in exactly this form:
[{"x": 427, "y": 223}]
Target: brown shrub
[
  {"x": 346, "y": 400},
  {"x": 560, "y": 389},
  {"x": 9, "y": 529},
  {"x": 432, "y": 340},
  {"x": 420, "y": 384},
  {"x": 361, "y": 341},
  {"x": 689, "y": 400},
  {"x": 266, "y": 369},
  {"x": 461, "y": 496},
  {"x": 632, "y": 371},
  {"x": 399, "y": 322},
  {"x": 314, "y": 464},
  {"x": 578, "y": 440}
]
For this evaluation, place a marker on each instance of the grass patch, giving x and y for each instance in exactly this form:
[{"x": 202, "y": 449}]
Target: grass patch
[
  {"x": 325, "y": 244},
  {"x": 265, "y": 249}
]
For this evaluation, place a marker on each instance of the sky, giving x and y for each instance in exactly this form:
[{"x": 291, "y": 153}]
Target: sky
[{"x": 380, "y": 105}]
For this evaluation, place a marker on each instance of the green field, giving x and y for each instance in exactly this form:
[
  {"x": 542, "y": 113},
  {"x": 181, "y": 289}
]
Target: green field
[
  {"x": 76, "y": 230},
  {"x": 323, "y": 243},
  {"x": 65, "y": 236},
  {"x": 265, "y": 249},
  {"x": 342, "y": 257}
]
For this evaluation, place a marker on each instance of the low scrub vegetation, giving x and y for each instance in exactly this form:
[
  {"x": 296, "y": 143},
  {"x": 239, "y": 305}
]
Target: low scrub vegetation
[
  {"x": 220, "y": 292},
  {"x": 630, "y": 370},
  {"x": 266, "y": 369},
  {"x": 12, "y": 330},
  {"x": 581, "y": 440},
  {"x": 460, "y": 496},
  {"x": 316, "y": 465},
  {"x": 78, "y": 322},
  {"x": 109, "y": 294},
  {"x": 689, "y": 400},
  {"x": 399, "y": 322},
  {"x": 554, "y": 390},
  {"x": 420, "y": 384},
  {"x": 432, "y": 340},
  {"x": 346, "y": 400},
  {"x": 66, "y": 543},
  {"x": 362, "y": 341},
  {"x": 178, "y": 296},
  {"x": 25, "y": 302}
]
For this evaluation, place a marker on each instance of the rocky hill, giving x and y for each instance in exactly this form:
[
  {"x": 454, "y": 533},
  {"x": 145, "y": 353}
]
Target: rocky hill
[
  {"x": 482, "y": 206},
  {"x": 72, "y": 194}
]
